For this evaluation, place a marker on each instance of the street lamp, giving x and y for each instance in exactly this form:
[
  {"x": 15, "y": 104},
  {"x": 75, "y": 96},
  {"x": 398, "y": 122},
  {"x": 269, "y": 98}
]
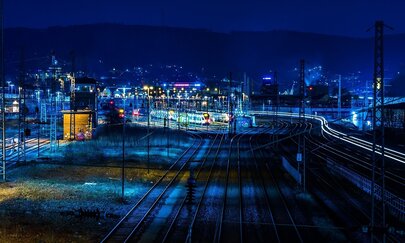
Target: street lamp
[
  {"x": 178, "y": 110},
  {"x": 148, "y": 88},
  {"x": 168, "y": 124},
  {"x": 123, "y": 154}
]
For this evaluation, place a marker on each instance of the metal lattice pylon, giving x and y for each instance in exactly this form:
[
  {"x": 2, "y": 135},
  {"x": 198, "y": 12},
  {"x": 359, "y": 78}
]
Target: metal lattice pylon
[
  {"x": 275, "y": 109},
  {"x": 301, "y": 91},
  {"x": 22, "y": 110},
  {"x": 52, "y": 124},
  {"x": 22, "y": 126},
  {"x": 301, "y": 138},
  {"x": 43, "y": 117},
  {"x": 53, "y": 106},
  {"x": 72, "y": 132},
  {"x": 378, "y": 206},
  {"x": 230, "y": 108},
  {"x": 72, "y": 120}
]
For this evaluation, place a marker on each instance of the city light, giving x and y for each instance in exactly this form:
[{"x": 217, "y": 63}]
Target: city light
[{"x": 168, "y": 129}]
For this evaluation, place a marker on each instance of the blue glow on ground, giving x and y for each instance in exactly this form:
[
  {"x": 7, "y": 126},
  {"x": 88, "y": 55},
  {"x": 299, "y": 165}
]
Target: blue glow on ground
[{"x": 159, "y": 220}]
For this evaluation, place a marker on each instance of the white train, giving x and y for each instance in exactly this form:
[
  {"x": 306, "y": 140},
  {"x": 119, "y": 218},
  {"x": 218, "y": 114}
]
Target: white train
[{"x": 201, "y": 118}]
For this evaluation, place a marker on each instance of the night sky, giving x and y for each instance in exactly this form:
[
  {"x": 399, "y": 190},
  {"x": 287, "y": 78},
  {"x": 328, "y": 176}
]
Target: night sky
[{"x": 343, "y": 17}]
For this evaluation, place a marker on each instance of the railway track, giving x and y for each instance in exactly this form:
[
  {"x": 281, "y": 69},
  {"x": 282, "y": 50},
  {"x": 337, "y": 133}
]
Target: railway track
[
  {"x": 348, "y": 206},
  {"x": 202, "y": 225},
  {"x": 259, "y": 221},
  {"x": 238, "y": 219},
  {"x": 230, "y": 220},
  {"x": 181, "y": 224},
  {"x": 13, "y": 147},
  {"x": 129, "y": 228},
  {"x": 12, "y": 159},
  {"x": 363, "y": 160},
  {"x": 361, "y": 164},
  {"x": 302, "y": 211},
  {"x": 239, "y": 197},
  {"x": 323, "y": 126},
  {"x": 284, "y": 225}
]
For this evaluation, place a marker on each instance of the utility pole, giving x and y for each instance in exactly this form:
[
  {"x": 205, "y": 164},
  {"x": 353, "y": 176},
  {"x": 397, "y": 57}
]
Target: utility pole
[
  {"x": 207, "y": 109},
  {"x": 22, "y": 108},
  {"x": 168, "y": 124},
  {"x": 53, "y": 106},
  {"x": 378, "y": 207},
  {"x": 148, "y": 129},
  {"x": 302, "y": 91},
  {"x": 239, "y": 96},
  {"x": 340, "y": 98},
  {"x": 3, "y": 93},
  {"x": 301, "y": 137},
  {"x": 249, "y": 93},
  {"x": 230, "y": 115},
  {"x": 243, "y": 94},
  {"x": 72, "y": 134},
  {"x": 275, "y": 107},
  {"x": 123, "y": 156},
  {"x": 366, "y": 112},
  {"x": 38, "y": 129}
]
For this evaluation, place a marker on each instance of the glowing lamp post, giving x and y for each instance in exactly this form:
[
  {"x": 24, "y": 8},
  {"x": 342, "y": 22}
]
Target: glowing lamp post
[
  {"x": 122, "y": 112},
  {"x": 168, "y": 124},
  {"x": 148, "y": 88}
]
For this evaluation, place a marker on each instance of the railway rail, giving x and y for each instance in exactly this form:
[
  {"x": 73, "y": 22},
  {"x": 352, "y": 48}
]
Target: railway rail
[
  {"x": 128, "y": 227},
  {"x": 284, "y": 224}
]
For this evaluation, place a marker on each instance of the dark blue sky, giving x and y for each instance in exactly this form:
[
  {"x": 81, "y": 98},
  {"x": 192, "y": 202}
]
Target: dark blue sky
[{"x": 339, "y": 17}]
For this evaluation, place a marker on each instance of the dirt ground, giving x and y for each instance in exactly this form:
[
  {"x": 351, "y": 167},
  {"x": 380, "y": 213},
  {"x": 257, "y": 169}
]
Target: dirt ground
[
  {"x": 75, "y": 196},
  {"x": 42, "y": 203}
]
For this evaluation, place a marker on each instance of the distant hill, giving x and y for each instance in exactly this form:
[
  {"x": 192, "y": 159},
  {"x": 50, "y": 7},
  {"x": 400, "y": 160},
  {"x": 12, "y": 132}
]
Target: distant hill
[{"x": 102, "y": 46}]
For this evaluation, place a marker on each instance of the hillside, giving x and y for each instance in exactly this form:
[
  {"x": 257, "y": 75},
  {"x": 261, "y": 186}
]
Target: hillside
[{"x": 102, "y": 46}]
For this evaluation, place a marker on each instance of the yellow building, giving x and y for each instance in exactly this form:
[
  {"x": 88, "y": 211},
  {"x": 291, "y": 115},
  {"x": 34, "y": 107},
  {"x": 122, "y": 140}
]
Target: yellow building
[{"x": 82, "y": 124}]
